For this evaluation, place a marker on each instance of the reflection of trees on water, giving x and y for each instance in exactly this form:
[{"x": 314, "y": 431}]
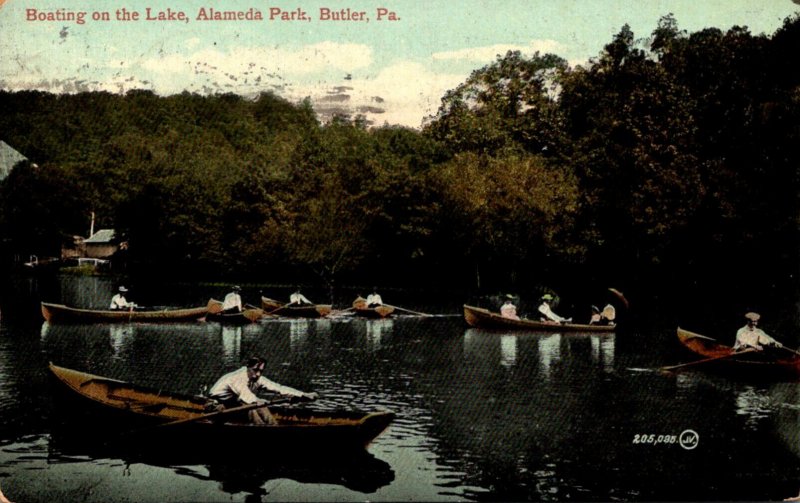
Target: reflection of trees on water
[
  {"x": 250, "y": 474},
  {"x": 87, "y": 292}
]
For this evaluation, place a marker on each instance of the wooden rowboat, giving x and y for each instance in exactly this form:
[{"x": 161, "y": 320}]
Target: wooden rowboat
[
  {"x": 125, "y": 412},
  {"x": 778, "y": 363},
  {"x": 483, "y": 318},
  {"x": 374, "y": 312},
  {"x": 249, "y": 315},
  {"x": 59, "y": 313},
  {"x": 272, "y": 306}
]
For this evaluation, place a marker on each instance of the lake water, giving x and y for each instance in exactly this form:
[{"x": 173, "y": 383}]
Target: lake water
[{"x": 481, "y": 416}]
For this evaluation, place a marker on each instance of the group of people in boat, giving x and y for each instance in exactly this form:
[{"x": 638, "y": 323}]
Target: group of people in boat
[
  {"x": 547, "y": 315},
  {"x": 232, "y": 303}
]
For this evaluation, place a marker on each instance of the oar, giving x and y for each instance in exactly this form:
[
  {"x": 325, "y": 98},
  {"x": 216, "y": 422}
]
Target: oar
[
  {"x": 781, "y": 346},
  {"x": 408, "y": 310},
  {"x": 705, "y": 360},
  {"x": 241, "y": 408},
  {"x": 279, "y": 308}
]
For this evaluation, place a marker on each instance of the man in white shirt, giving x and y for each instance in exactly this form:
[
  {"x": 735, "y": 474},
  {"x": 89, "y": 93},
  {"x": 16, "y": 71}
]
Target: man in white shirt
[
  {"x": 547, "y": 312},
  {"x": 752, "y": 337},
  {"x": 233, "y": 301},
  {"x": 298, "y": 299},
  {"x": 118, "y": 301},
  {"x": 374, "y": 300},
  {"x": 240, "y": 387}
]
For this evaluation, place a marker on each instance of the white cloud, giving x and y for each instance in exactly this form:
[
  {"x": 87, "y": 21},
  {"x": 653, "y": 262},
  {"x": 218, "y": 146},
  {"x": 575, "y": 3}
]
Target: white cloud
[
  {"x": 488, "y": 53},
  {"x": 406, "y": 91}
]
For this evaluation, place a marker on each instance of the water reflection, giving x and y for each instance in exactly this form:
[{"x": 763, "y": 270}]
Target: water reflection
[
  {"x": 376, "y": 331},
  {"x": 753, "y": 403},
  {"x": 298, "y": 333},
  {"x": 119, "y": 336},
  {"x": 231, "y": 344},
  {"x": 603, "y": 350},
  {"x": 549, "y": 353},
  {"x": 508, "y": 350},
  {"x": 547, "y": 348}
]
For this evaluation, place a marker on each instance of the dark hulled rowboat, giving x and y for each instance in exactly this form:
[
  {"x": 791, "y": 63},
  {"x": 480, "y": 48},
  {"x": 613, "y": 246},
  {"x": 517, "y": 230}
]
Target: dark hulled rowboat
[
  {"x": 59, "y": 313},
  {"x": 777, "y": 363},
  {"x": 120, "y": 411},
  {"x": 272, "y": 306},
  {"x": 483, "y": 318}
]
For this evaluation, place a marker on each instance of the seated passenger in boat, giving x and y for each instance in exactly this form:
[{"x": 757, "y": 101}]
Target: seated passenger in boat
[
  {"x": 298, "y": 299},
  {"x": 508, "y": 309},
  {"x": 547, "y": 312},
  {"x": 233, "y": 301},
  {"x": 752, "y": 337},
  {"x": 604, "y": 317},
  {"x": 118, "y": 301},
  {"x": 373, "y": 299},
  {"x": 239, "y": 388}
]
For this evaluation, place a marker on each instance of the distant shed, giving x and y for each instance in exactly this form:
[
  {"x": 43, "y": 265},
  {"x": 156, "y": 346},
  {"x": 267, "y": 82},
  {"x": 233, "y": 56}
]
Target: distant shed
[{"x": 102, "y": 244}]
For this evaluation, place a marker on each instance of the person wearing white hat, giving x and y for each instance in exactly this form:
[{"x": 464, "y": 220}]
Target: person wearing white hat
[
  {"x": 119, "y": 301},
  {"x": 752, "y": 337},
  {"x": 547, "y": 312}
]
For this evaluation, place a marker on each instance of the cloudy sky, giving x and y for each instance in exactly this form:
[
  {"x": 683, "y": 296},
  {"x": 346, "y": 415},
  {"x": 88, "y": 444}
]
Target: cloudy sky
[{"x": 394, "y": 71}]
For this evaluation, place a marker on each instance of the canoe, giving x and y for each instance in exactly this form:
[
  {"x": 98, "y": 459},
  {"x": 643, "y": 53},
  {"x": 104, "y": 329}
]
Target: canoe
[
  {"x": 123, "y": 412},
  {"x": 59, "y": 313},
  {"x": 249, "y": 315},
  {"x": 772, "y": 363},
  {"x": 374, "y": 312},
  {"x": 272, "y": 306},
  {"x": 483, "y": 318}
]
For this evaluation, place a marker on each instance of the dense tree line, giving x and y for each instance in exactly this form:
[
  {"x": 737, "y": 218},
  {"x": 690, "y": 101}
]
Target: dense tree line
[{"x": 672, "y": 158}]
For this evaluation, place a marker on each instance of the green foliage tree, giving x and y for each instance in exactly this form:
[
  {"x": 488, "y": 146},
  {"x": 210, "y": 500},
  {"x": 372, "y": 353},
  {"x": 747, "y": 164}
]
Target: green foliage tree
[{"x": 509, "y": 102}]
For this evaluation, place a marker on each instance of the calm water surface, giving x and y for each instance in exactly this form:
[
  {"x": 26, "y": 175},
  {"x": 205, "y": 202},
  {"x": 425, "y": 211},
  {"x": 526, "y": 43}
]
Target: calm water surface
[{"x": 480, "y": 415}]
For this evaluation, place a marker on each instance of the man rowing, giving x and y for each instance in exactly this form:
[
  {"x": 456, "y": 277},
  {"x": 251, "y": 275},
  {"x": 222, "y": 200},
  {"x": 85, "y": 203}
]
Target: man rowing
[
  {"x": 240, "y": 387},
  {"x": 119, "y": 302},
  {"x": 752, "y": 337}
]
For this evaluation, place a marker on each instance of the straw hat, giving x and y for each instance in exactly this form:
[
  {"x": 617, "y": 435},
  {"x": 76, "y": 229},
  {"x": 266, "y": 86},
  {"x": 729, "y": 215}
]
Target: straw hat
[{"x": 752, "y": 316}]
